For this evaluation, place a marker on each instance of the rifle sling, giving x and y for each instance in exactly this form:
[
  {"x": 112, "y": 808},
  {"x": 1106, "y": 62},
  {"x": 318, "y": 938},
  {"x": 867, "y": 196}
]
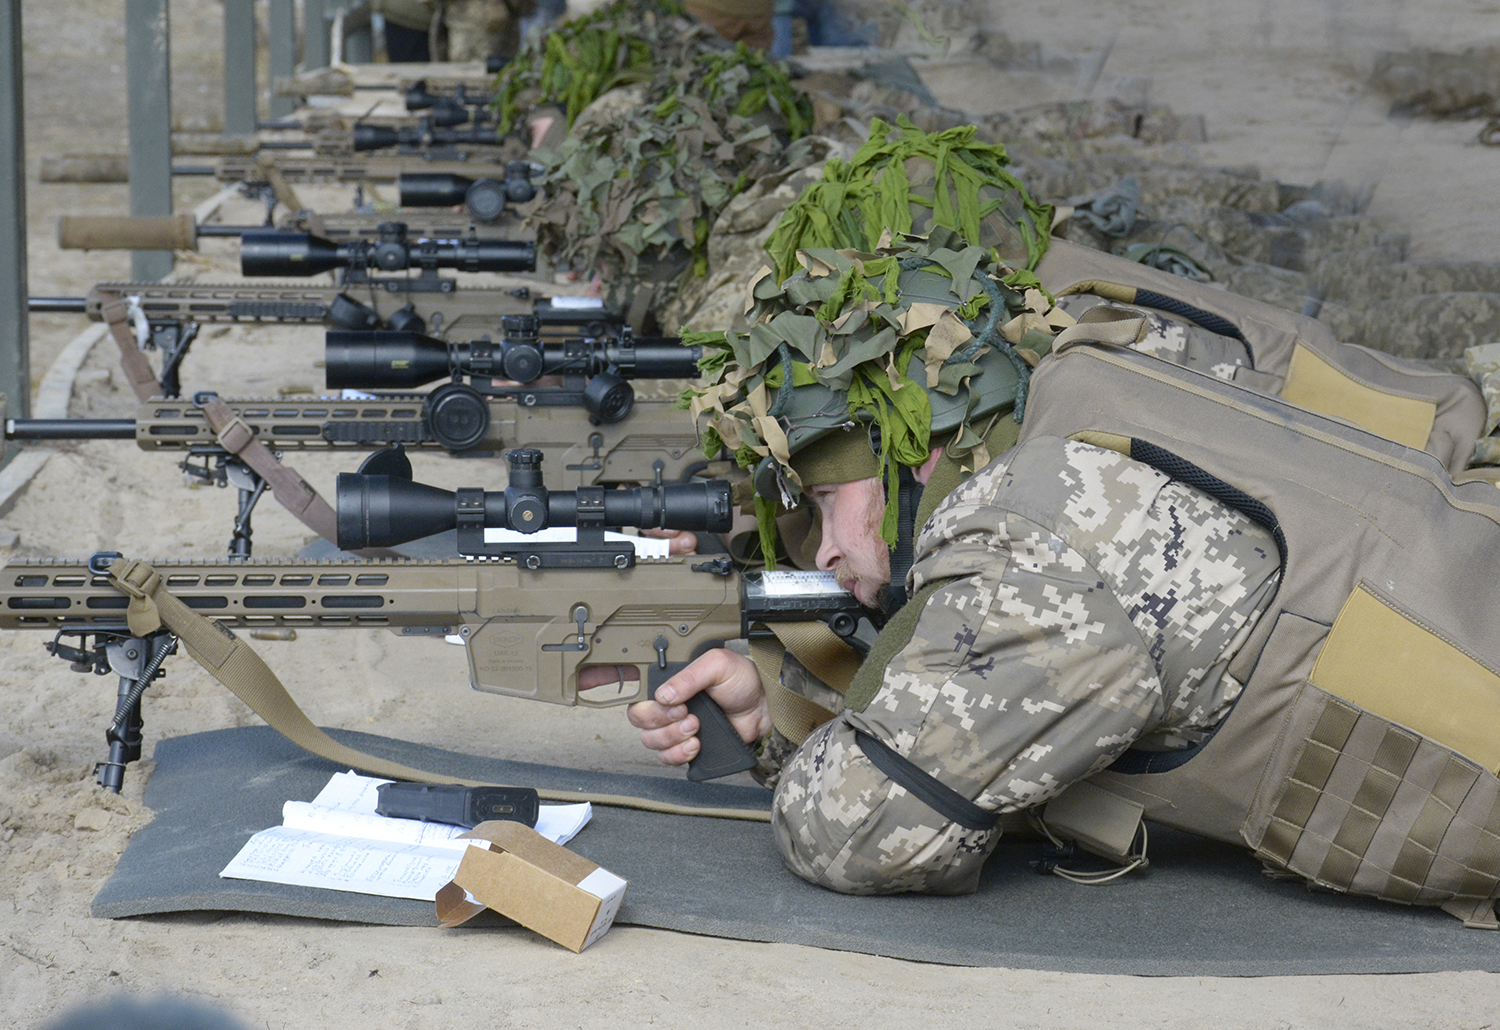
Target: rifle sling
[
  {"x": 822, "y": 653},
  {"x": 291, "y": 491},
  {"x": 236, "y": 665},
  {"x": 137, "y": 369}
]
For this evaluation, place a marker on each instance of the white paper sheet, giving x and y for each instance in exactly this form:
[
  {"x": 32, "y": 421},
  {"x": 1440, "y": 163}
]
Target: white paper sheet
[{"x": 336, "y": 841}]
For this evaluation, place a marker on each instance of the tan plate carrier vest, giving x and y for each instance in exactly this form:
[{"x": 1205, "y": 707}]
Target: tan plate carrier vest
[
  {"x": 1291, "y": 356},
  {"x": 1362, "y": 753}
]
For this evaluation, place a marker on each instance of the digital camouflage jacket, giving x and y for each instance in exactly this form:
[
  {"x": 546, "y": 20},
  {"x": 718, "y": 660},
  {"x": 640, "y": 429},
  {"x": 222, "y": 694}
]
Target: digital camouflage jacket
[{"x": 1087, "y": 604}]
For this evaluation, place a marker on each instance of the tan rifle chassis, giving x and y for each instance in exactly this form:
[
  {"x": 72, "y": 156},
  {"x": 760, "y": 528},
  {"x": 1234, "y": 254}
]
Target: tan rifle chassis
[
  {"x": 354, "y": 169},
  {"x": 527, "y": 632},
  {"x": 463, "y": 313},
  {"x": 575, "y": 453}
]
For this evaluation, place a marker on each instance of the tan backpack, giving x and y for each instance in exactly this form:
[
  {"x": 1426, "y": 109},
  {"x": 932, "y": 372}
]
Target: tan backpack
[
  {"x": 1362, "y": 753},
  {"x": 1280, "y": 353}
]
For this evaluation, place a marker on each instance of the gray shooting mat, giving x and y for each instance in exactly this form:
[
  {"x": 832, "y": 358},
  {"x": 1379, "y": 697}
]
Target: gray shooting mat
[{"x": 1203, "y": 908}]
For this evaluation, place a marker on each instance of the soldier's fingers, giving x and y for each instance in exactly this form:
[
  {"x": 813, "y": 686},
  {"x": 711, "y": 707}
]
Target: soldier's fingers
[
  {"x": 669, "y": 737},
  {"x": 648, "y": 715},
  {"x": 682, "y": 754}
]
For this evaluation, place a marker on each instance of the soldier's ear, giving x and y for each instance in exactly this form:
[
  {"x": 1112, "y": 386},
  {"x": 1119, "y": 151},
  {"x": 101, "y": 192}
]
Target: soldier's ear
[{"x": 924, "y": 473}]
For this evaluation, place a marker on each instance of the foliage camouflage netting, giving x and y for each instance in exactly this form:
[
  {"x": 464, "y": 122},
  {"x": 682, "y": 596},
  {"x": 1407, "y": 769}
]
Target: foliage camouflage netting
[
  {"x": 633, "y": 195},
  {"x": 851, "y": 329},
  {"x": 909, "y": 181},
  {"x": 580, "y": 60}
]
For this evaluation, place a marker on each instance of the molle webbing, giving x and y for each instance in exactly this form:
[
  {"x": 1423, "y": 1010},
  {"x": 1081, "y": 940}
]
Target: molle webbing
[
  {"x": 1338, "y": 817},
  {"x": 1357, "y": 755}
]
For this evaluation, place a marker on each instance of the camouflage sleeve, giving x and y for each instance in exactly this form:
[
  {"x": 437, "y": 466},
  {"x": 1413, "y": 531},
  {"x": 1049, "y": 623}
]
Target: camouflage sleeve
[{"x": 1036, "y": 662}]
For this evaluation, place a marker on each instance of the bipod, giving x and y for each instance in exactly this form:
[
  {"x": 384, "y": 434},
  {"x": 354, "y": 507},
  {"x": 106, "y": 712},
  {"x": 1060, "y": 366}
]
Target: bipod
[
  {"x": 137, "y": 661},
  {"x": 173, "y": 340},
  {"x": 227, "y": 469}
]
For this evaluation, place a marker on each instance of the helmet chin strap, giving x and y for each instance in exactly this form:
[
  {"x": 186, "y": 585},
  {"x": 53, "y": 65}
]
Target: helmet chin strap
[{"x": 908, "y": 500}]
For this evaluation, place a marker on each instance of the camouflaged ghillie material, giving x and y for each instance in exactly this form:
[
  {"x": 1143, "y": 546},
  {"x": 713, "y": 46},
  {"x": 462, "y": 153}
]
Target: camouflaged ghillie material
[
  {"x": 854, "y": 329},
  {"x": 1483, "y": 366},
  {"x": 580, "y": 60},
  {"x": 903, "y": 180},
  {"x": 1088, "y": 604},
  {"x": 633, "y": 196},
  {"x": 1464, "y": 85},
  {"x": 736, "y": 244}
]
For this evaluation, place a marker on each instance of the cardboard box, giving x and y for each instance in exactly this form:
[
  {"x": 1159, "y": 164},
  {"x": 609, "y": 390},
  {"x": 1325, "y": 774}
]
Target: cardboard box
[{"x": 541, "y": 885}]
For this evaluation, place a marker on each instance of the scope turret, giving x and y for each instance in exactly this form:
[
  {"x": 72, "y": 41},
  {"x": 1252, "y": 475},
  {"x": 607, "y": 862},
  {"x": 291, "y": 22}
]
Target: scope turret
[
  {"x": 484, "y": 199},
  {"x": 599, "y": 368},
  {"x": 386, "y": 510},
  {"x": 272, "y": 252}
]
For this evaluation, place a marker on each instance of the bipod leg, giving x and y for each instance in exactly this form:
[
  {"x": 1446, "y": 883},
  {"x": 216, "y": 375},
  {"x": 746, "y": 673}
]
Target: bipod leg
[
  {"x": 251, "y": 486},
  {"x": 136, "y": 660},
  {"x": 173, "y": 344}
]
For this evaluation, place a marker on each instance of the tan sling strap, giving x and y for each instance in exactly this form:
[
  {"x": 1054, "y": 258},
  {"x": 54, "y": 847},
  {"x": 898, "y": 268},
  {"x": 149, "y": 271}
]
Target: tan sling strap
[
  {"x": 137, "y": 369},
  {"x": 236, "y": 665},
  {"x": 822, "y": 653},
  {"x": 279, "y": 186},
  {"x": 291, "y": 491}
]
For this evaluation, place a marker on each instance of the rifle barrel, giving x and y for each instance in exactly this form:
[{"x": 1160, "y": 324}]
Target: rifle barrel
[
  {"x": 194, "y": 170},
  {"x": 57, "y": 305},
  {"x": 70, "y": 429}
]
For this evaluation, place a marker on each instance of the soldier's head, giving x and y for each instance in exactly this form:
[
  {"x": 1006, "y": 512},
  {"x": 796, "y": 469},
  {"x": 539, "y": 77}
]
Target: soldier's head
[{"x": 861, "y": 369}]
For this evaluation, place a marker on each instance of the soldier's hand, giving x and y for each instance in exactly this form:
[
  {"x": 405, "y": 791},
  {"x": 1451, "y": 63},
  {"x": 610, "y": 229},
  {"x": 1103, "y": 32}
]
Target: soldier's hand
[
  {"x": 730, "y": 679},
  {"x": 682, "y": 542}
]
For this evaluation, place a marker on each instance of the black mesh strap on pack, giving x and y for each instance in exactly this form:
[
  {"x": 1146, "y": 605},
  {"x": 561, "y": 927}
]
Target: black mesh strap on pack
[
  {"x": 1207, "y": 319},
  {"x": 936, "y": 795},
  {"x": 1164, "y": 461},
  {"x": 1181, "y": 469}
]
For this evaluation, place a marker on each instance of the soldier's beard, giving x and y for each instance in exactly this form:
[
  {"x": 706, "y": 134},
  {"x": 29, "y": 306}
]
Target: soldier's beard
[{"x": 868, "y": 568}]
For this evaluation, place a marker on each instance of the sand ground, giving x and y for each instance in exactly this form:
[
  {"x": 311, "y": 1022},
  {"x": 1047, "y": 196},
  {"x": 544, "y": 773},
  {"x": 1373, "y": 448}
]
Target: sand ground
[{"x": 1282, "y": 85}]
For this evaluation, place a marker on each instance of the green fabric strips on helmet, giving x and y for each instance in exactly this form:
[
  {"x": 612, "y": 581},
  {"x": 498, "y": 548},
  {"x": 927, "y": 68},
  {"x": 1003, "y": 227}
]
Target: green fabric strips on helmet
[
  {"x": 918, "y": 342},
  {"x": 907, "y": 181}
]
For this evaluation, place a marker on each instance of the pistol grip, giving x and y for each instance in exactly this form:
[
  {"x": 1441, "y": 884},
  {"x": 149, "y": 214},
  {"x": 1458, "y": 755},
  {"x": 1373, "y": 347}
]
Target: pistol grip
[{"x": 720, "y": 749}]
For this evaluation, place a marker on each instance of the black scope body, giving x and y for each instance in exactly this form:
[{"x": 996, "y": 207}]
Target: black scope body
[
  {"x": 271, "y": 252},
  {"x": 484, "y": 199},
  {"x": 386, "y": 510},
  {"x": 383, "y": 137},
  {"x": 383, "y": 360}
]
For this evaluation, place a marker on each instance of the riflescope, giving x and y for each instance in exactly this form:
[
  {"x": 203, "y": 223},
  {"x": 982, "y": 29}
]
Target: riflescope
[
  {"x": 390, "y": 509},
  {"x": 272, "y": 252},
  {"x": 484, "y": 199},
  {"x": 383, "y": 137},
  {"x": 598, "y": 370}
]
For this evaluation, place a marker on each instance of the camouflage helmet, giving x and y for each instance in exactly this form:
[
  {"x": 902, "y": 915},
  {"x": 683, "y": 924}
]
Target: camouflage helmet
[{"x": 923, "y": 341}]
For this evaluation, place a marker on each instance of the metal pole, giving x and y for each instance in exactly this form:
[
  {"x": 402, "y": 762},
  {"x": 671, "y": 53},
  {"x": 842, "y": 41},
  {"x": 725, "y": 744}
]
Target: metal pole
[
  {"x": 315, "y": 35},
  {"x": 239, "y": 67},
  {"x": 15, "y": 365},
  {"x": 282, "y": 25},
  {"x": 149, "y": 86}
]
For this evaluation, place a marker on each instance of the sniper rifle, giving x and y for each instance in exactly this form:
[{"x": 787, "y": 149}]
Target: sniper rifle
[
  {"x": 240, "y": 442},
  {"x": 531, "y": 614}
]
